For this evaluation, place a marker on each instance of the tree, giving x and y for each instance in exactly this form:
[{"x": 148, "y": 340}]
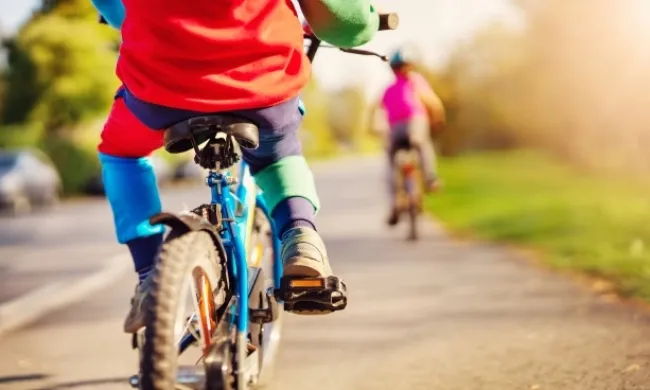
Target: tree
[
  {"x": 348, "y": 115},
  {"x": 70, "y": 9},
  {"x": 21, "y": 92},
  {"x": 60, "y": 76},
  {"x": 475, "y": 88},
  {"x": 315, "y": 133},
  {"x": 61, "y": 67}
]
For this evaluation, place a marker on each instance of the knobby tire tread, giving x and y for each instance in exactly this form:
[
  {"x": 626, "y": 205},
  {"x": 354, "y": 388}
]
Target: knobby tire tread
[{"x": 177, "y": 257}]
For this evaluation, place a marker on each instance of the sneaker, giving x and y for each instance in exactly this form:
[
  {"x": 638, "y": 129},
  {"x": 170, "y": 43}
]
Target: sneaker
[
  {"x": 303, "y": 254},
  {"x": 141, "y": 299}
]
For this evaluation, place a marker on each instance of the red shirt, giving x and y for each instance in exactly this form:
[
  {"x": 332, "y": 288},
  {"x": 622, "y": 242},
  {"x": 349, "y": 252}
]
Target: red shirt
[{"x": 212, "y": 55}]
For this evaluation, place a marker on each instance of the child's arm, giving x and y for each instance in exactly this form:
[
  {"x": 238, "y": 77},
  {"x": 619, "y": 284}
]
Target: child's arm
[
  {"x": 374, "y": 111},
  {"x": 342, "y": 23},
  {"x": 111, "y": 10},
  {"x": 430, "y": 99}
]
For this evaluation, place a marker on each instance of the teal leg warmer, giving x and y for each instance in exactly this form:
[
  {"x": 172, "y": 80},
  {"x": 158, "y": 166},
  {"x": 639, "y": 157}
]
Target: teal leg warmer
[
  {"x": 289, "y": 177},
  {"x": 132, "y": 191}
]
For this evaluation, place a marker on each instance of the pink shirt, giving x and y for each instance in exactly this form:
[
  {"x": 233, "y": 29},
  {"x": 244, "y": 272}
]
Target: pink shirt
[{"x": 400, "y": 99}]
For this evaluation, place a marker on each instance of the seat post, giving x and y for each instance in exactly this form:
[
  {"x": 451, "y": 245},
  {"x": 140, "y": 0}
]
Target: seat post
[{"x": 218, "y": 152}]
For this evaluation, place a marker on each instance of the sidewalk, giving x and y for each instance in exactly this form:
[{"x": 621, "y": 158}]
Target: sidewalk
[{"x": 52, "y": 258}]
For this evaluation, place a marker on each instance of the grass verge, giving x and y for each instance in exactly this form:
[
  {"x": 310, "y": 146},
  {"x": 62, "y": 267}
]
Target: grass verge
[{"x": 578, "y": 222}]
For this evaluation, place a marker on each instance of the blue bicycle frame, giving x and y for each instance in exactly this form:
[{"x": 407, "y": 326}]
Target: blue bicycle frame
[{"x": 233, "y": 236}]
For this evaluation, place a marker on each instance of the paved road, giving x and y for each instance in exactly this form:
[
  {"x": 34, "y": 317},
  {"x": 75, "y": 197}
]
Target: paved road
[
  {"x": 435, "y": 315},
  {"x": 73, "y": 240}
]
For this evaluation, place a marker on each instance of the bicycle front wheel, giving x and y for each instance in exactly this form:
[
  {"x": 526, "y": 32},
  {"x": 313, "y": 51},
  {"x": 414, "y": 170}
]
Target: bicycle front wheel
[{"x": 188, "y": 269}]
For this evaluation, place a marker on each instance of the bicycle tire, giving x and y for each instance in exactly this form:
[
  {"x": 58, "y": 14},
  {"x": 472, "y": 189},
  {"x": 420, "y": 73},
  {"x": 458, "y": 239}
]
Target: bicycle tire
[
  {"x": 412, "y": 209},
  {"x": 413, "y": 222},
  {"x": 178, "y": 256},
  {"x": 262, "y": 230}
]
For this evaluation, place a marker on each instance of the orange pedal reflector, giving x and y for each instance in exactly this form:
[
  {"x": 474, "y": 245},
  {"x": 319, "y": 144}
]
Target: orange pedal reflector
[{"x": 307, "y": 283}]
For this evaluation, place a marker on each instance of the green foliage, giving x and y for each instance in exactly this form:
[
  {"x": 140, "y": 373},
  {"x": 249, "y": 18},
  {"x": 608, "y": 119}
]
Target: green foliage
[
  {"x": 75, "y": 162},
  {"x": 13, "y": 136},
  {"x": 2, "y": 79},
  {"x": 315, "y": 134},
  {"x": 578, "y": 221},
  {"x": 69, "y": 69},
  {"x": 474, "y": 88},
  {"x": 348, "y": 114},
  {"x": 60, "y": 67},
  {"x": 60, "y": 75},
  {"x": 20, "y": 93},
  {"x": 70, "y": 9}
]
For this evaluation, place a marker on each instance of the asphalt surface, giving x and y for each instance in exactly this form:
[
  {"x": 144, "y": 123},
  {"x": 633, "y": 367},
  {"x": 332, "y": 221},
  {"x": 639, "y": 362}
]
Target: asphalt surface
[
  {"x": 63, "y": 244},
  {"x": 436, "y": 314}
]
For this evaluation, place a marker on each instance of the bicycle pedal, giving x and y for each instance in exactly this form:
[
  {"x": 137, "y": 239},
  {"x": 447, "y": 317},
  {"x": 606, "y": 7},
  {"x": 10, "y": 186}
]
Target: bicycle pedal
[
  {"x": 312, "y": 295},
  {"x": 137, "y": 339},
  {"x": 267, "y": 314}
]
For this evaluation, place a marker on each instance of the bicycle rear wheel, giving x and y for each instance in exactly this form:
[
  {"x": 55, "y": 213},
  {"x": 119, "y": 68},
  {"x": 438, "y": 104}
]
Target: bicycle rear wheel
[
  {"x": 188, "y": 263},
  {"x": 265, "y": 337},
  {"x": 413, "y": 207}
]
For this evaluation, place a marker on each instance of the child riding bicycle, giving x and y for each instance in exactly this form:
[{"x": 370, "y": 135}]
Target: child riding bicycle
[
  {"x": 246, "y": 58},
  {"x": 412, "y": 108}
]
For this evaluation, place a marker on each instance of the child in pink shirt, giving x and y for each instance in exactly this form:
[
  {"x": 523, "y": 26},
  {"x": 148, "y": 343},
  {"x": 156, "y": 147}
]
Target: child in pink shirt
[{"x": 411, "y": 106}]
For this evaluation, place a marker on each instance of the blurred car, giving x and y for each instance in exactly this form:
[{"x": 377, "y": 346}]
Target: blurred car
[
  {"x": 27, "y": 178},
  {"x": 162, "y": 169}
]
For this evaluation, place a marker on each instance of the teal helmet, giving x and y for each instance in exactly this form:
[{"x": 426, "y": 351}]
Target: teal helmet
[
  {"x": 397, "y": 59},
  {"x": 402, "y": 56}
]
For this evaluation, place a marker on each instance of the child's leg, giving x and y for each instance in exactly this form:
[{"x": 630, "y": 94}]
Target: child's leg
[
  {"x": 290, "y": 191},
  {"x": 132, "y": 192},
  {"x": 283, "y": 174},
  {"x": 419, "y": 130},
  {"x": 294, "y": 212},
  {"x": 398, "y": 136},
  {"x": 391, "y": 180},
  {"x": 393, "y": 138}
]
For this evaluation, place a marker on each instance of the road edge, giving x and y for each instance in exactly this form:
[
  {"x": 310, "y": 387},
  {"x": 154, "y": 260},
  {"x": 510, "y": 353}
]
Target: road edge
[{"x": 35, "y": 304}]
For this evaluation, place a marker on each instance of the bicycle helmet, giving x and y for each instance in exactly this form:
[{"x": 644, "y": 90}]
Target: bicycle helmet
[
  {"x": 397, "y": 59},
  {"x": 402, "y": 56}
]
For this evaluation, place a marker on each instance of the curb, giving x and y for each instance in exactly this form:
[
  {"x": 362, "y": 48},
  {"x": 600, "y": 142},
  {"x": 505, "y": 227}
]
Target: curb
[{"x": 31, "y": 306}]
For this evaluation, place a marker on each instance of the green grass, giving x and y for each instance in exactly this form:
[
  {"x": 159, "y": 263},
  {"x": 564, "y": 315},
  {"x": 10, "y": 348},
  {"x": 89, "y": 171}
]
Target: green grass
[{"x": 578, "y": 222}]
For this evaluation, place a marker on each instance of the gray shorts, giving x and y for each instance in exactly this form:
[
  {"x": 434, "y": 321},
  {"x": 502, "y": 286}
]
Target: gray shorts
[{"x": 413, "y": 133}]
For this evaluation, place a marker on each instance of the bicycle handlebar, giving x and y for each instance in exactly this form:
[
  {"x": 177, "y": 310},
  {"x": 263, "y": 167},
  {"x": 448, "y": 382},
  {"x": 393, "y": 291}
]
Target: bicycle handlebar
[{"x": 388, "y": 21}]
